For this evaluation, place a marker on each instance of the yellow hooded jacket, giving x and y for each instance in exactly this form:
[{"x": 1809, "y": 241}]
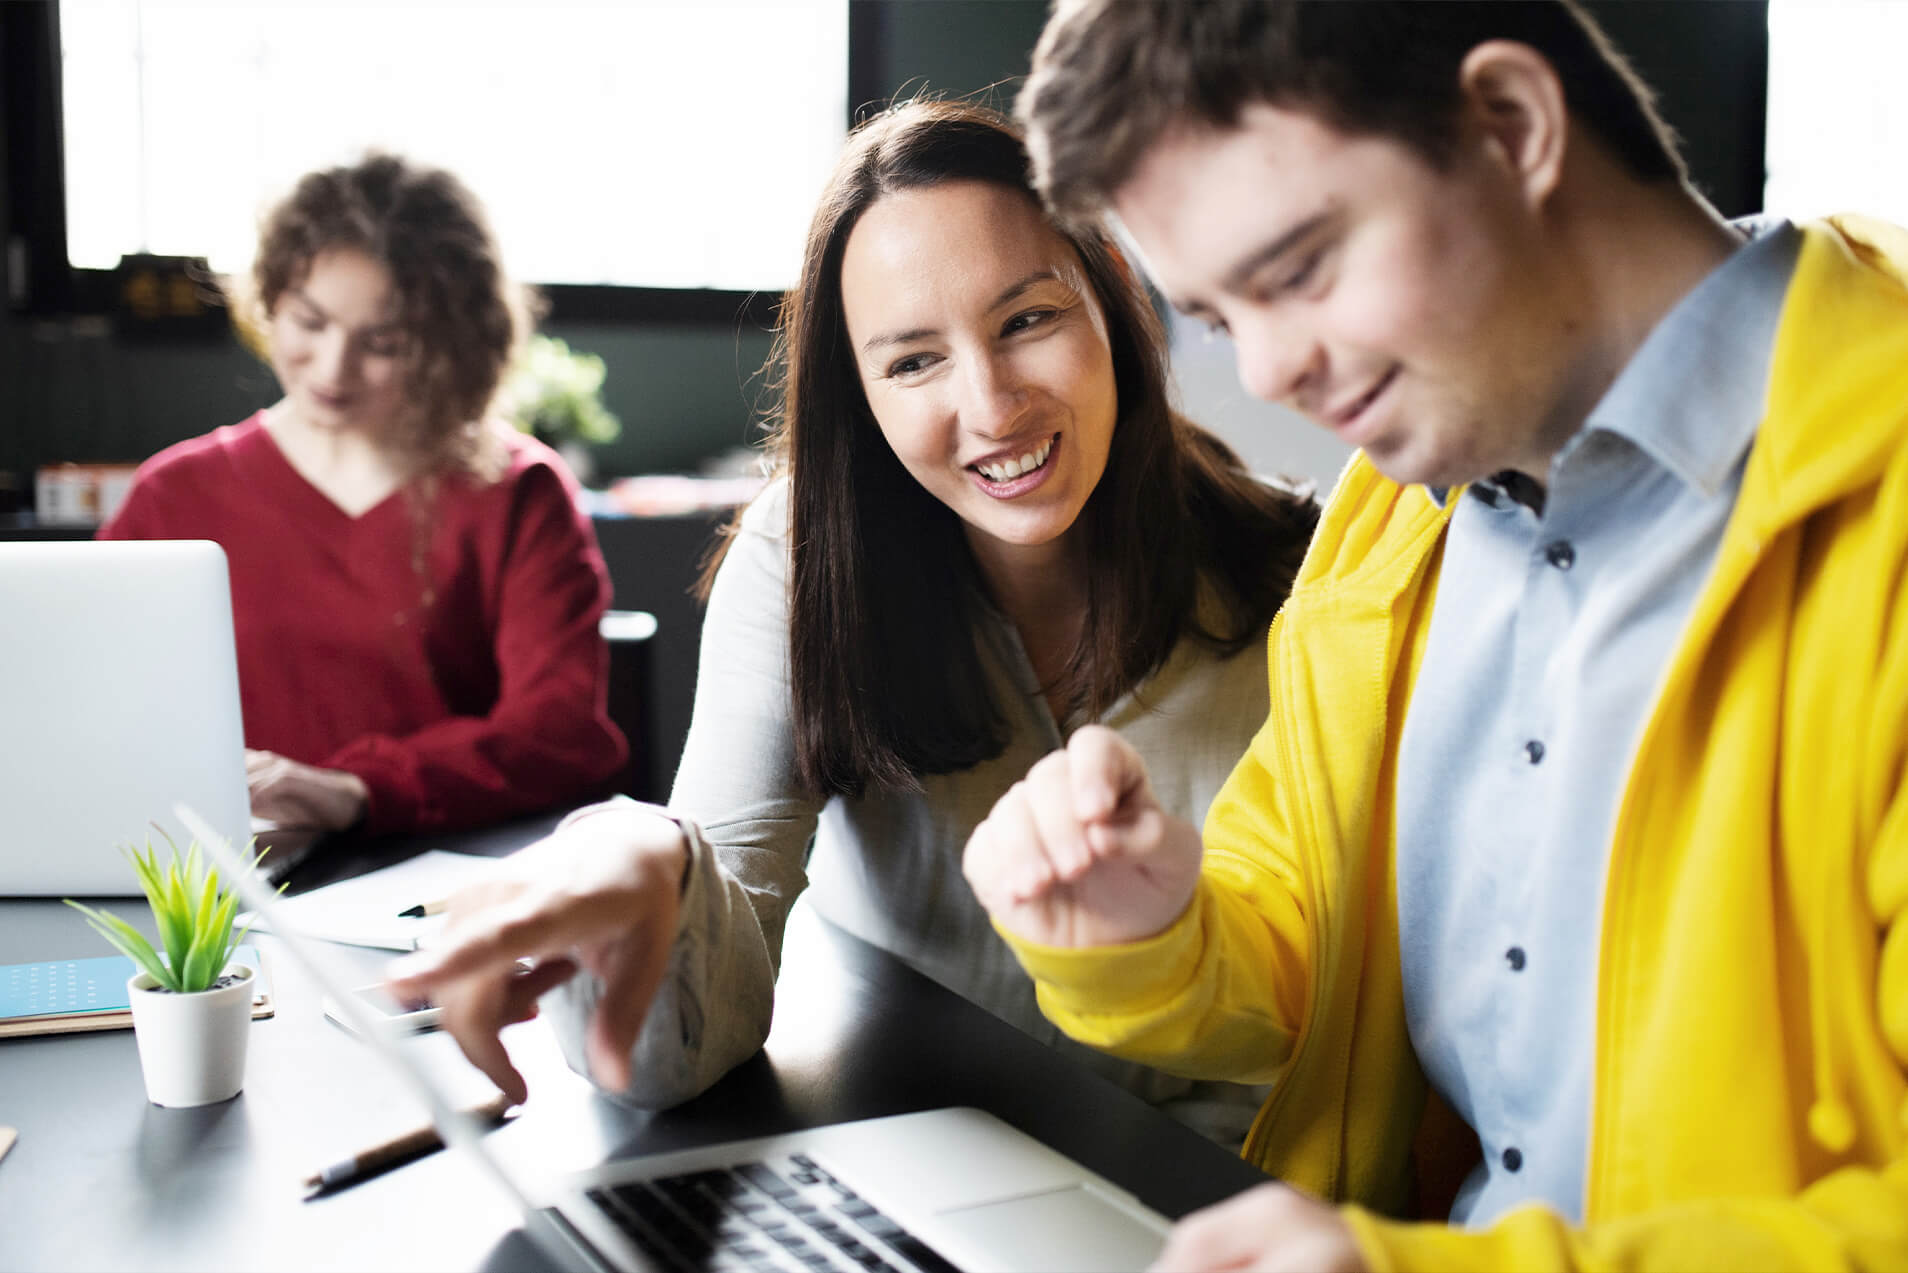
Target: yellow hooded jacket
[{"x": 1750, "y": 1101}]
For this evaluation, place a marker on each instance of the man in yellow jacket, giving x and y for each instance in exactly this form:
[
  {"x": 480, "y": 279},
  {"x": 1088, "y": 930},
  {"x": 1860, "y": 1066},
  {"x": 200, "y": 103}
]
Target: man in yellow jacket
[{"x": 1580, "y": 803}]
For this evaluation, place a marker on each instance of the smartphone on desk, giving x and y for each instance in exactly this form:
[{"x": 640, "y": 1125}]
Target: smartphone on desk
[{"x": 379, "y": 1002}]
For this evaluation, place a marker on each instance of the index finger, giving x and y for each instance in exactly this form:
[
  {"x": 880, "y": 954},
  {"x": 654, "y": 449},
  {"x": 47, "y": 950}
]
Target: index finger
[
  {"x": 490, "y": 941},
  {"x": 1105, "y": 770}
]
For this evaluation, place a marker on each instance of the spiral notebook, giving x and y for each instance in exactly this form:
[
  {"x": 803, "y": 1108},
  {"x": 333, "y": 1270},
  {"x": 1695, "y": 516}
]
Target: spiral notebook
[{"x": 63, "y": 996}]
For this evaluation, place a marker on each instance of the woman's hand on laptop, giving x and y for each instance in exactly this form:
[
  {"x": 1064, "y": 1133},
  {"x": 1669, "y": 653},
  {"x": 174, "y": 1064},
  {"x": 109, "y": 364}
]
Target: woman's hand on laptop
[
  {"x": 292, "y": 794},
  {"x": 1080, "y": 853},
  {"x": 603, "y": 891}
]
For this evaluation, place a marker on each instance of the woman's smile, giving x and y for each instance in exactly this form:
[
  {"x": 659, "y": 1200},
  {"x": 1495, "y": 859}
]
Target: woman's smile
[{"x": 1007, "y": 474}]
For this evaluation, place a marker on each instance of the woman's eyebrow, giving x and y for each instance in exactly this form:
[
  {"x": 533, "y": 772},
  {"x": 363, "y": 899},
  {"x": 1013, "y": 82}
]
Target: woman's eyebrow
[
  {"x": 375, "y": 329},
  {"x": 897, "y": 338},
  {"x": 1015, "y": 289}
]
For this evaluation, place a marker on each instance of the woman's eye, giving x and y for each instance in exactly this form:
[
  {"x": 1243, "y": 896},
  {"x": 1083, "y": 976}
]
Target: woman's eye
[
  {"x": 389, "y": 347},
  {"x": 1215, "y": 328},
  {"x": 911, "y": 365},
  {"x": 1028, "y": 318}
]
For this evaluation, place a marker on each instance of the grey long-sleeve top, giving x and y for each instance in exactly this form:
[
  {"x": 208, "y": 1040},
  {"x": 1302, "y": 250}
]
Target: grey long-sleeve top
[{"x": 885, "y": 866}]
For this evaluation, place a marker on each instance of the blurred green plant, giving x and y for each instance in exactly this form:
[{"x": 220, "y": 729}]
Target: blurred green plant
[
  {"x": 193, "y": 912},
  {"x": 556, "y": 395}
]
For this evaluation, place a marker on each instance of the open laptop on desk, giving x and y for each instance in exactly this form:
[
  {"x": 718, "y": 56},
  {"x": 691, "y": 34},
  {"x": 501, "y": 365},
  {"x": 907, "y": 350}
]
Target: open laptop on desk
[
  {"x": 118, "y": 697},
  {"x": 931, "y": 1191}
]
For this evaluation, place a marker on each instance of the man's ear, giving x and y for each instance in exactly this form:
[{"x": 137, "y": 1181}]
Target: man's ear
[{"x": 1515, "y": 102}]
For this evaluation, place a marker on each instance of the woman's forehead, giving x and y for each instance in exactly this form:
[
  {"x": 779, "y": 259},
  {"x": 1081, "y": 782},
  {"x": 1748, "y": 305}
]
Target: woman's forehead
[
  {"x": 958, "y": 240},
  {"x": 349, "y": 285}
]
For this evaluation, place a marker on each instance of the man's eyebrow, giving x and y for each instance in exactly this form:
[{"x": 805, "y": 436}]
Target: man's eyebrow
[
  {"x": 1011, "y": 291},
  {"x": 1240, "y": 275}
]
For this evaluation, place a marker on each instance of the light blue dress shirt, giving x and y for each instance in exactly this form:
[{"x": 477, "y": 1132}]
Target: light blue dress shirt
[{"x": 1551, "y": 632}]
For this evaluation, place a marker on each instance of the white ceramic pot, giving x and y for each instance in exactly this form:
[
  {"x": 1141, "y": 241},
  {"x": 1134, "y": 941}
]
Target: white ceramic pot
[{"x": 192, "y": 1047}]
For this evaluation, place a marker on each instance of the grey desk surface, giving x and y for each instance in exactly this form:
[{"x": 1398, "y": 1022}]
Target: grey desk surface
[{"x": 100, "y": 1179}]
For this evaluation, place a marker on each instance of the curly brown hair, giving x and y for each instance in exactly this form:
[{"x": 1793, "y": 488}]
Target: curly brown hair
[{"x": 465, "y": 317}]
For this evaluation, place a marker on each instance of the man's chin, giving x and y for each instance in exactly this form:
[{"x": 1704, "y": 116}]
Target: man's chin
[
  {"x": 1417, "y": 465},
  {"x": 1403, "y": 463}
]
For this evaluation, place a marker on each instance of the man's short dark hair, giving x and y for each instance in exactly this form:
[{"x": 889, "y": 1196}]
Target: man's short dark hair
[{"x": 1110, "y": 76}]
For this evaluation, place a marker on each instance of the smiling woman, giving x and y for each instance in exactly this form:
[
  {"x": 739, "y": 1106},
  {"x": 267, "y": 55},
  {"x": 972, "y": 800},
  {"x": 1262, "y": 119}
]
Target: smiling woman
[
  {"x": 987, "y": 530},
  {"x": 414, "y": 592},
  {"x": 986, "y": 364}
]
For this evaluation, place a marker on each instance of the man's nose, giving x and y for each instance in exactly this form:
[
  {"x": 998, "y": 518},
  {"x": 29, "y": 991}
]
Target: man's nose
[{"x": 1277, "y": 359}]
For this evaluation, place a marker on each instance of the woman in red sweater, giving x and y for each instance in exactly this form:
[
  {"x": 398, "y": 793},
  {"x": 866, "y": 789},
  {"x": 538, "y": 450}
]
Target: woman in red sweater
[{"x": 414, "y": 590}]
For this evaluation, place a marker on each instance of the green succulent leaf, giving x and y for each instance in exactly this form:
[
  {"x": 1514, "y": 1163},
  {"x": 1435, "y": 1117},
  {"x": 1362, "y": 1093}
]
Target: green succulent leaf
[
  {"x": 192, "y": 910},
  {"x": 129, "y": 941}
]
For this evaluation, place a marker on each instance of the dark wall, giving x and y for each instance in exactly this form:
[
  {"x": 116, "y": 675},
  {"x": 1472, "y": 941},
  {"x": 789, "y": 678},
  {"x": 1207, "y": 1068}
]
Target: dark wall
[
  {"x": 1709, "y": 65},
  {"x": 952, "y": 48},
  {"x": 14, "y": 468},
  {"x": 681, "y": 389}
]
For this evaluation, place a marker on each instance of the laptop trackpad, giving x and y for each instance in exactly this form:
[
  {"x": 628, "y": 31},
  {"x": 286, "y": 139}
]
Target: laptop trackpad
[{"x": 1075, "y": 1229}]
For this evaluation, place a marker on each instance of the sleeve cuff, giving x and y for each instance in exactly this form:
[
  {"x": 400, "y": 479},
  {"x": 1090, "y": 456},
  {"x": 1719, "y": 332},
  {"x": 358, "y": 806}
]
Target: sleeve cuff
[
  {"x": 394, "y": 795},
  {"x": 698, "y": 859},
  {"x": 1131, "y": 977},
  {"x": 1530, "y": 1237}
]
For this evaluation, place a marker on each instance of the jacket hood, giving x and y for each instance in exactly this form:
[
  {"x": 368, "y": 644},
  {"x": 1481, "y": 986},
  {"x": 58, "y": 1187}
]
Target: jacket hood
[{"x": 1841, "y": 347}]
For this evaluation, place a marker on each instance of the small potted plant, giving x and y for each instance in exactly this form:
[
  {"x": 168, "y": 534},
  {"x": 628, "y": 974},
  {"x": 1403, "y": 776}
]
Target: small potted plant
[
  {"x": 191, "y": 1004},
  {"x": 555, "y": 394}
]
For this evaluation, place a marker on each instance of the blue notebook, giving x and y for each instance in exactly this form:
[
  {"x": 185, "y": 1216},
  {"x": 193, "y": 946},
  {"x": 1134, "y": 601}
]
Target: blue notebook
[{"x": 60, "y": 995}]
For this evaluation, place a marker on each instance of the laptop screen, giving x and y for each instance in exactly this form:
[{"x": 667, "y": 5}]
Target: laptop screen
[{"x": 121, "y": 698}]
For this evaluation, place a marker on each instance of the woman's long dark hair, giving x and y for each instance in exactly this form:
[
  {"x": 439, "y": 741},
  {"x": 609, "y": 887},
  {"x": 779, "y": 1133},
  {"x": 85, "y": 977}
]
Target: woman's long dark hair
[{"x": 886, "y": 676}]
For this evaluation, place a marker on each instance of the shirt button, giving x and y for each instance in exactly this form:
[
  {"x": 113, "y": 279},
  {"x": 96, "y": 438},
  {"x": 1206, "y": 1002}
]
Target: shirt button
[
  {"x": 1513, "y": 1159},
  {"x": 1534, "y": 750},
  {"x": 1560, "y": 554},
  {"x": 1516, "y": 957}
]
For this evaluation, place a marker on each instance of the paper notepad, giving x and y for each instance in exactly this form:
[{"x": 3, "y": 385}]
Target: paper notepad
[
  {"x": 61, "y": 996},
  {"x": 364, "y": 910}
]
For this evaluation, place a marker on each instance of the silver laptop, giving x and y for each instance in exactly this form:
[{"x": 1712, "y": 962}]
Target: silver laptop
[
  {"x": 118, "y": 697},
  {"x": 931, "y": 1191}
]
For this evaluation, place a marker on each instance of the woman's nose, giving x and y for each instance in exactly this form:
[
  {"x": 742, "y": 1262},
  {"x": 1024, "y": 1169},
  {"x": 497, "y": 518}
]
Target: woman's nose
[
  {"x": 993, "y": 399},
  {"x": 332, "y": 360}
]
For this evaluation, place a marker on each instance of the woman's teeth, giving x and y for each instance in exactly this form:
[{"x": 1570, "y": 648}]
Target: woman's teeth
[{"x": 1008, "y": 470}]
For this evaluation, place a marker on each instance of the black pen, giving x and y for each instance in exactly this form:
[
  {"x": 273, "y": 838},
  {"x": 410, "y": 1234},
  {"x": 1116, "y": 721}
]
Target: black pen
[{"x": 397, "y": 1151}]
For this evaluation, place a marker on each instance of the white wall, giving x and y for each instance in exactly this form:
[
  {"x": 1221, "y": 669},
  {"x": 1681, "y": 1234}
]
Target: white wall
[
  {"x": 1272, "y": 439},
  {"x": 1838, "y": 122}
]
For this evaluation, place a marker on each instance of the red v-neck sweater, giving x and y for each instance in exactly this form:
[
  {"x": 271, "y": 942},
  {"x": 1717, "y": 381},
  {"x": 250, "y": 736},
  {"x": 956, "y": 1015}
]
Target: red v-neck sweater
[{"x": 462, "y": 702}]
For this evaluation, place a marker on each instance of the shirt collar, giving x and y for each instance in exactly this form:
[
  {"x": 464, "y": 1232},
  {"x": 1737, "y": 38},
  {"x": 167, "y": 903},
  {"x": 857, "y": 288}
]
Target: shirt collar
[{"x": 1691, "y": 397}]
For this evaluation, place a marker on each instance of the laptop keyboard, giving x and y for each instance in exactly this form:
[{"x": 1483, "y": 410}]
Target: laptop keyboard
[{"x": 787, "y": 1214}]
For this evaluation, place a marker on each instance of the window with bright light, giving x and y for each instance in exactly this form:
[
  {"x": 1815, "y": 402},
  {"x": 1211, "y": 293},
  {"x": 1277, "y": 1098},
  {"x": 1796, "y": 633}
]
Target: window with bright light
[
  {"x": 662, "y": 143},
  {"x": 1838, "y": 121}
]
